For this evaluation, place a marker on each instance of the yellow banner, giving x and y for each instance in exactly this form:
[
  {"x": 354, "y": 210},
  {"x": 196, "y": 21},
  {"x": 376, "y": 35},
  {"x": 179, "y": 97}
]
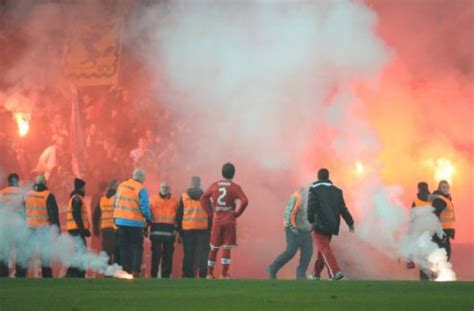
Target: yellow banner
[{"x": 93, "y": 53}]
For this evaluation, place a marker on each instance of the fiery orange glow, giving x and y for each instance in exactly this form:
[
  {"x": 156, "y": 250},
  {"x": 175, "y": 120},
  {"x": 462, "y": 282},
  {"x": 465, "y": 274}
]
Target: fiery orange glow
[
  {"x": 23, "y": 122},
  {"x": 120, "y": 274},
  {"x": 444, "y": 170}
]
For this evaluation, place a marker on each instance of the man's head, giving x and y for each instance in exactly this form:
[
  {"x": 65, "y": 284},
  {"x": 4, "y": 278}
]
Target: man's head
[
  {"x": 443, "y": 187},
  {"x": 195, "y": 182},
  {"x": 423, "y": 187},
  {"x": 165, "y": 188},
  {"x": 79, "y": 184},
  {"x": 139, "y": 175},
  {"x": 323, "y": 174},
  {"x": 13, "y": 179},
  {"x": 40, "y": 180},
  {"x": 228, "y": 171}
]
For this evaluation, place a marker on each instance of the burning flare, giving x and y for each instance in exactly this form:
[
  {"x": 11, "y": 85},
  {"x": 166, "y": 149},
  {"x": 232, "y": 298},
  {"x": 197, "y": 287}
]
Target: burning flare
[
  {"x": 359, "y": 168},
  {"x": 23, "y": 121},
  {"x": 444, "y": 170}
]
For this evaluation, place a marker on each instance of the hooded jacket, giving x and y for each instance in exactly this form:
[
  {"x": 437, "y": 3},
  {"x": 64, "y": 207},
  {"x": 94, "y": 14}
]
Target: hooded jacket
[
  {"x": 326, "y": 206},
  {"x": 194, "y": 193}
]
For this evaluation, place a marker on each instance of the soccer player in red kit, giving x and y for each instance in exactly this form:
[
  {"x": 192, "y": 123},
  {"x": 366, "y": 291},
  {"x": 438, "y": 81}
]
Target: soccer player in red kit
[{"x": 224, "y": 194}]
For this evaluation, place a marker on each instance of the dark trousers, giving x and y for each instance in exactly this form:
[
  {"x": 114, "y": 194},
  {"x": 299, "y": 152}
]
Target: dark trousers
[
  {"x": 79, "y": 246},
  {"x": 444, "y": 243},
  {"x": 46, "y": 271},
  {"x": 162, "y": 249},
  {"x": 130, "y": 240},
  {"x": 294, "y": 242},
  {"x": 196, "y": 249},
  {"x": 109, "y": 245}
]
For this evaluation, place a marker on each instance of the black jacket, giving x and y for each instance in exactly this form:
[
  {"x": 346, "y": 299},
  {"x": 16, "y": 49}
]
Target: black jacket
[
  {"x": 194, "y": 194},
  {"x": 326, "y": 206},
  {"x": 96, "y": 217},
  {"x": 51, "y": 205},
  {"x": 439, "y": 206},
  {"x": 77, "y": 208}
]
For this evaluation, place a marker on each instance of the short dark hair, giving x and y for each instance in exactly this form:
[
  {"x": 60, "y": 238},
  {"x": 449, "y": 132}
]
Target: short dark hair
[
  {"x": 13, "y": 178},
  {"x": 441, "y": 183},
  {"x": 228, "y": 170},
  {"x": 323, "y": 174}
]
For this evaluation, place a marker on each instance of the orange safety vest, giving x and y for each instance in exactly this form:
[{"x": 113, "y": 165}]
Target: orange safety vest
[
  {"x": 421, "y": 203},
  {"x": 447, "y": 217},
  {"x": 107, "y": 212},
  {"x": 291, "y": 212},
  {"x": 126, "y": 202},
  {"x": 163, "y": 210},
  {"x": 70, "y": 222},
  {"x": 12, "y": 197},
  {"x": 194, "y": 216},
  {"x": 36, "y": 208}
]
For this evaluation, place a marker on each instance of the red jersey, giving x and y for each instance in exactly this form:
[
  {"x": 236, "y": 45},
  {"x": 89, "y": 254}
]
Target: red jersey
[{"x": 224, "y": 195}]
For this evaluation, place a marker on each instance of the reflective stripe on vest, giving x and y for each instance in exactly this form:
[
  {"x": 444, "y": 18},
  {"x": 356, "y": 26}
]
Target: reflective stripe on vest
[
  {"x": 447, "y": 217},
  {"x": 70, "y": 222},
  {"x": 36, "y": 209},
  {"x": 194, "y": 216},
  {"x": 12, "y": 198},
  {"x": 107, "y": 212},
  {"x": 421, "y": 203},
  {"x": 126, "y": 202},
  {"x": 163, "y": 210}
]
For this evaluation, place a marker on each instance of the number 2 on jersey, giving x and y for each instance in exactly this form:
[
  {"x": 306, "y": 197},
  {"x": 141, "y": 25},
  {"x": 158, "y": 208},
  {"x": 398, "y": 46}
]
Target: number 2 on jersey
[{"x": 223, "y": 193}]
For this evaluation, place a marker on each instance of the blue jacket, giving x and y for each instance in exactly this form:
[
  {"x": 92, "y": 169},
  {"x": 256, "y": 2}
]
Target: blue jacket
[{"x": 144, "y": 203}]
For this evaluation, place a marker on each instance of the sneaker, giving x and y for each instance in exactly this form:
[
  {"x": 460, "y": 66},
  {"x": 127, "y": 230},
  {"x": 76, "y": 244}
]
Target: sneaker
[
  {"x": 271, "y": 275},
  {"x": 210, "y": 276},
  {"x": 225, "y": 277},
  {"x": 338, "y": 276},
  {"x": 313, "y": 277}
]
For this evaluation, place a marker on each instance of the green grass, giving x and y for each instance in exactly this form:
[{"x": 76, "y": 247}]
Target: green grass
[{"x": 249, "y": 295}]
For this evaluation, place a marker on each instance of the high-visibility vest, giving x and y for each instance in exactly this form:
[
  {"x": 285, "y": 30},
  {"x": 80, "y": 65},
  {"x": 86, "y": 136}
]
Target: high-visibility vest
[
  {"x": 12, "y": 198},
  {"x": 194, "y": 216},
  {"x": 447, "y": 217},
  {"x": 126, "y": 203},
  {"x": 36, "y": 209},
  {"x": 163, "y": 211},
  {"x": 70, "y": 222},
  {"x": 420, "y": 203},
  {"x": 292, "y": 211},
  {"x": 106, "y": 206}
]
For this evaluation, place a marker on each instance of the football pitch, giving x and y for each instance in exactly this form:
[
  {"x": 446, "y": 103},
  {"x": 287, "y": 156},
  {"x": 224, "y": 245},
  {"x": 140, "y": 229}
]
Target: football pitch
[{"x": 249, "y": 295}]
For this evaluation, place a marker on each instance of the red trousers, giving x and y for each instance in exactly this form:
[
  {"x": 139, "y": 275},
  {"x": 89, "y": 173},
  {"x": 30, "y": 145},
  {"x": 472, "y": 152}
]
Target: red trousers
[{"x": 325, "y": 256}]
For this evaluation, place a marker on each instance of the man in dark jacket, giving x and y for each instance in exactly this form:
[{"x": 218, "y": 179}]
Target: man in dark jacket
[
  {"x": 325, "y": 207},
  {"x": 78, "y": 223},
  {"x": 103, "y": 222},
  {"x": 444, "y": 209},
  {"x": 41, "y": 211},
  {"x": 193, "y": 226}
]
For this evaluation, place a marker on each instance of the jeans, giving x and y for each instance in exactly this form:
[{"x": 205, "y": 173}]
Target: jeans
[
  {"x": 162, "y": 249},
  {"x": 196, "y": 250},
  {"x": 301, "y": 241},
  {"x": 130, "y": 241}
]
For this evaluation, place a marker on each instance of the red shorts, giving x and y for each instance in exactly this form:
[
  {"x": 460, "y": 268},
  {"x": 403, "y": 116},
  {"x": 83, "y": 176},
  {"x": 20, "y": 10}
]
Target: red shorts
[{"x": 224, "y": 236}]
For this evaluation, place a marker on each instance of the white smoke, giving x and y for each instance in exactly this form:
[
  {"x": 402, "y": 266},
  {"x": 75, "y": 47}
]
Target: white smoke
[
  {"x": 49, "y": 245},
  {"x": 418, "y": 247}
]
